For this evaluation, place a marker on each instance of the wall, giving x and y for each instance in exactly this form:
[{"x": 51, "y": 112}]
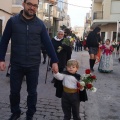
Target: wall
[
  {"x": 106, "y": 9},
  {"x": 115, "y": 10},
  {"x": 3, "y": 15}
]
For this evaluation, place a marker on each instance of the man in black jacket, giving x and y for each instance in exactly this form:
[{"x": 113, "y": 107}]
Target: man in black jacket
[{"x": 26, "y": 32}]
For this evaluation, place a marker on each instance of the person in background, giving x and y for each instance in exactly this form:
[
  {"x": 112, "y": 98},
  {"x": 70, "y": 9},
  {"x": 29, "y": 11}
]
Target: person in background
[
  {"x": 77, "y": 44},
  {"x": 69, "y": 93},
  {"x": 67, "y": 34},
  {"x": 27, "y": 32},
  {"x": 84, "y": 44},
  {"x": 92, "y": 43},
  {"x": 118, "y": 47},
  {"x": 106, "y": 61},
  {"x": 61, "y": 51},
  {"x": 44, "y": 54},
  {"x": 80, "y": 45}
]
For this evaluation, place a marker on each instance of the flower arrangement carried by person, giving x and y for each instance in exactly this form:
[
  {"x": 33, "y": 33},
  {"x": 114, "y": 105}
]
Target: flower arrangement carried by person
[
  {"x": 114, "y": 44},
  {"x": 66, "y": 41},
  {"x": 87, "y": 81}
]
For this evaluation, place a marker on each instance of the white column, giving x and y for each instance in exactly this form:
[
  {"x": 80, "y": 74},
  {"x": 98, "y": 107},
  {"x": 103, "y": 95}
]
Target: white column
[
  {"x": 106, "y": 35},
  {"x": 111, "y": 36}
]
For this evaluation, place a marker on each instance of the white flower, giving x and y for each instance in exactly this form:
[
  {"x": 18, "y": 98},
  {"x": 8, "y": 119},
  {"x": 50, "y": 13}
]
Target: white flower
[
  {"x": 59, "y": 49},
  {"x": 82, "y": 83},
  {"x": 84, "y": 76},
  {"x": 93, "y": 89},
  {"x": 87, "y": 75}
]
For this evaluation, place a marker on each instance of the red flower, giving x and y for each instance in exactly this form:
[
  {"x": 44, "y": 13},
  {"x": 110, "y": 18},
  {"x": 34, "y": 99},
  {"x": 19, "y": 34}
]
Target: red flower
[
  {"x": 87, "y": 71},
  {"x": 93, "y": 77},
  {"x": 89, "y": 86},
  {"x": 78, "y": 85}
]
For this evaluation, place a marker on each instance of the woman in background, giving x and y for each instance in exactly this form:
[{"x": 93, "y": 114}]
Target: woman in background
[
  {"x": 92, "y": 43},
  {"x": 60, "y": 51}
]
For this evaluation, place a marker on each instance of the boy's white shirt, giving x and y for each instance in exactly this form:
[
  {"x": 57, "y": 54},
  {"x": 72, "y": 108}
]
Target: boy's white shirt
[{"x": 69, "y": 81}]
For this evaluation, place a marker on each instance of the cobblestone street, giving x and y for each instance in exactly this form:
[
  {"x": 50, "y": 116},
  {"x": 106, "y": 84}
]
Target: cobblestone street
[{"x": 102, "y": 105}]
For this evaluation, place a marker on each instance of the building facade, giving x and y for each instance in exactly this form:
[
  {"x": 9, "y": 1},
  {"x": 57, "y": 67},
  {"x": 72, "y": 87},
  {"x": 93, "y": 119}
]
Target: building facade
[
  {"x": 52, "y": 12},
  {"x": 106, "y": 14},
  {"x": 5, "y": 14},
  {"x": 78, "y": 31}
]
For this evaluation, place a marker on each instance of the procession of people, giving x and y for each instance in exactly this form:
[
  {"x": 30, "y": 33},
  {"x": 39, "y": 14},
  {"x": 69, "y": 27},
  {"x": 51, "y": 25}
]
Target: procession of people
[{"x": 29, "y": 39}]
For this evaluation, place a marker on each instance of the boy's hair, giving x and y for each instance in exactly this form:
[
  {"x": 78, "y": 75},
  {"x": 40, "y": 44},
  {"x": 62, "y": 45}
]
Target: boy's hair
[
  {"x": 26, "y": 0},
  {"x": 73, "y": 62}
]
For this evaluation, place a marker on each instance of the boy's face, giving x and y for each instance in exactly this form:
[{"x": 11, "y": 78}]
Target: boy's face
[{"x": 72, "y": 69}]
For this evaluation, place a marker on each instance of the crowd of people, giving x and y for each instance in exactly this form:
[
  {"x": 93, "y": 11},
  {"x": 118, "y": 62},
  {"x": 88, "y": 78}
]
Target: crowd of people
[{"x": 29, "y": 38}]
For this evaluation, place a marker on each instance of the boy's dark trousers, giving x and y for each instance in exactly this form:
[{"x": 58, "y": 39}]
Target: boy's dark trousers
[
  {"x": 70, "y": 103},
  {"x": 16, "y": 76}
]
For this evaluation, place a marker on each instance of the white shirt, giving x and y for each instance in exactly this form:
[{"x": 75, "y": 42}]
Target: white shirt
[{"x": 69, "y": 81}]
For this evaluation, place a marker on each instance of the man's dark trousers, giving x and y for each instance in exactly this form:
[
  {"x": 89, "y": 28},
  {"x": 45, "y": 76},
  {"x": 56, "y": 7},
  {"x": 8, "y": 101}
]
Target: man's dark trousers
[{"x": 16, "y": 76}]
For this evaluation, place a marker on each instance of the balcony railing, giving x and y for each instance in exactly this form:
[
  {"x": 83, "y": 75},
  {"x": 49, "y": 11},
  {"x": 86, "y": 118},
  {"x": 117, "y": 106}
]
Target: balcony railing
[{"x": 98, "y": 15}]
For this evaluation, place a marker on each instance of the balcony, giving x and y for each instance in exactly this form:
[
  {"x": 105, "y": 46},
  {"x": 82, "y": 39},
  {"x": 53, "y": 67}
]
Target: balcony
[{"x": 98, "y": 15}]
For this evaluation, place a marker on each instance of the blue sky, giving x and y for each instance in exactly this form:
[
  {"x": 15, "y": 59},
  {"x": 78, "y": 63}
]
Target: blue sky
[{"x": 77, "y": 14}]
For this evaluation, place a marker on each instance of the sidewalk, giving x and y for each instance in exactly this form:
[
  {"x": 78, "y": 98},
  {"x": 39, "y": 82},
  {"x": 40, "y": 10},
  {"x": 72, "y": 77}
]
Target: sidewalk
[{"x": 49, "y": 106}]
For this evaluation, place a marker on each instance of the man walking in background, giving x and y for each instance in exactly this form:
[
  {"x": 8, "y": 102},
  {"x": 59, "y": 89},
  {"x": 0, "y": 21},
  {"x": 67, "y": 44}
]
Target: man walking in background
[{"x": 26, "y": 32}]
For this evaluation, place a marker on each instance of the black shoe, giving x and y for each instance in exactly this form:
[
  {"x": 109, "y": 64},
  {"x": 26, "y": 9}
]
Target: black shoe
[
  {"x": 14, "y": 116},
  {"x": 29, "y": 118}
]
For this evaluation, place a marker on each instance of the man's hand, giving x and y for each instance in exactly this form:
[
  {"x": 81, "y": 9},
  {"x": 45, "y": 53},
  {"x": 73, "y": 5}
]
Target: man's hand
[
  {"x": 55, "y": 67},
  {"x": 2, "y": 66}
]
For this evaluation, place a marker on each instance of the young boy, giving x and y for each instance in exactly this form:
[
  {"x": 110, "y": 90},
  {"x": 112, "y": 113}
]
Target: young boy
[{"x": 70, "y": 94}]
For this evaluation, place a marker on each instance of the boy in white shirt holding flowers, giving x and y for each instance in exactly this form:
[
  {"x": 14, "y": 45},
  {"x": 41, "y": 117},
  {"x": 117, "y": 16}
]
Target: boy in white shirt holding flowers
[{"x": 72, "y": 92}]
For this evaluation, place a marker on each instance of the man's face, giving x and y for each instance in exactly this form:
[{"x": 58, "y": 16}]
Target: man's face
[{"x": 30, "y": 7}]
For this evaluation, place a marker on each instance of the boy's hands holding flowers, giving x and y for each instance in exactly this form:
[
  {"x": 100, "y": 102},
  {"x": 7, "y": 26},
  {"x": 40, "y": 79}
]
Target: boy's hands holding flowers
[
  {"x": 80, "y": 86},
  {"x": 87, "y": 81}
]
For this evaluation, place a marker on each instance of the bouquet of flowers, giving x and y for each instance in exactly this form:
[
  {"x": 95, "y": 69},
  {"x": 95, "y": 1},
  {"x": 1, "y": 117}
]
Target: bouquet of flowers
[
  {"x": 87, "y": 81},
  {"x": 66, "y": 41},
  {"x": 114, "y": 44}
]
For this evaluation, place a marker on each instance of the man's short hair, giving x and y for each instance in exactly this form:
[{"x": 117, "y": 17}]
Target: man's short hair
[{"x": 26, "y": 0}]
